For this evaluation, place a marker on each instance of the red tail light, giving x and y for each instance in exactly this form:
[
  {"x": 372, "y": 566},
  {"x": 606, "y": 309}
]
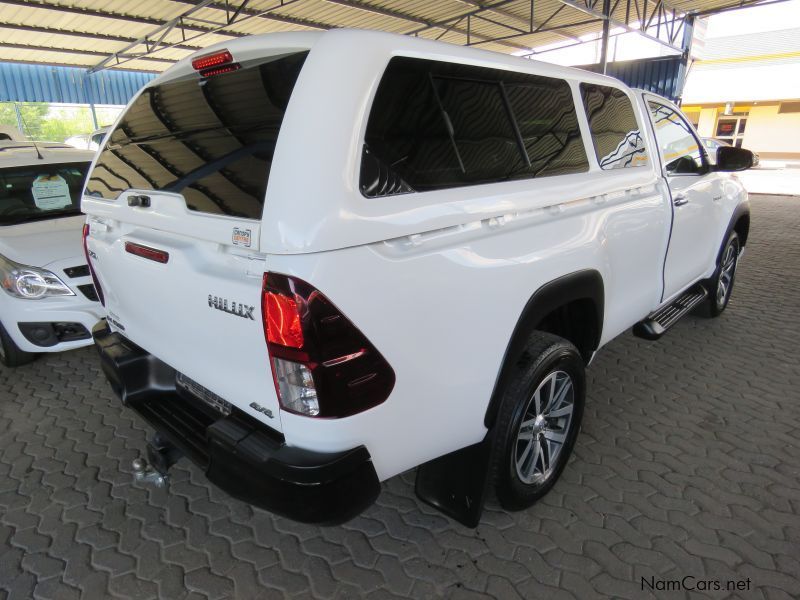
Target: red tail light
[
  {"x": 96, "y": 283},
  {"x": 322, "y": 364}
]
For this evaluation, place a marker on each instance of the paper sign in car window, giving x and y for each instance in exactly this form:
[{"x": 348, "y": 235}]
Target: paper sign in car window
[{"x": 50, "y": 192}]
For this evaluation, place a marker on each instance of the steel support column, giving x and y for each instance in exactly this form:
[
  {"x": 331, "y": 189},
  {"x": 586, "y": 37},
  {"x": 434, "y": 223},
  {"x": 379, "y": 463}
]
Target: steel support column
[
  {"x": 20, "y": 122},
  {"x": 86, "y": 83},
  {"x": 686, "y": 45},
  {"x": 604, "y": 39}
]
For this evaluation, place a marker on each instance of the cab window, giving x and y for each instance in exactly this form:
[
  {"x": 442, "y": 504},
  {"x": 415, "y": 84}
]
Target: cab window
[
  {"x": 618, "y": 143},
  {"x": 680, "y": 149}
]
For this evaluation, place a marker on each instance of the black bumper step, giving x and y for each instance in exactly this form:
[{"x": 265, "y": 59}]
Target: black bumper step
[
  {"x": 659, "y": 322},
  {"x": 239, "y": 454}
]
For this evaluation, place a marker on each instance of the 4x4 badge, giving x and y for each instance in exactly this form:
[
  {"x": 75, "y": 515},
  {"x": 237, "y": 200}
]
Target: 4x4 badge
[{"x": 234, "y": 308}]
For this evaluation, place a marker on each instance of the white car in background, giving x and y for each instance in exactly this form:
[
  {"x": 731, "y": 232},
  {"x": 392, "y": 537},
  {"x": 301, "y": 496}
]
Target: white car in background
[
  {"x": 47, "y": 302},
  {"x": 10, "y": 134},
  {"x": 88, "y": 141}
]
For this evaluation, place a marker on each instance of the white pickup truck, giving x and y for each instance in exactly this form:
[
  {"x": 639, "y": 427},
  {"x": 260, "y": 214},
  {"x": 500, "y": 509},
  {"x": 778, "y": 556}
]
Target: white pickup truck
[{"x": 328, "y": 258}]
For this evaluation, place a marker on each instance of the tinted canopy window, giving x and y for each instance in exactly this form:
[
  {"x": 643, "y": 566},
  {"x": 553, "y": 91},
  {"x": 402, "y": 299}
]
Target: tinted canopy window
[
  {"x": 437, "y": 125},
  {"x": 679, "y": 148},
  {"x": 38, "y": 192},
  {"x": 211, "y": 140},
  {"x": 617, "y": 140}
]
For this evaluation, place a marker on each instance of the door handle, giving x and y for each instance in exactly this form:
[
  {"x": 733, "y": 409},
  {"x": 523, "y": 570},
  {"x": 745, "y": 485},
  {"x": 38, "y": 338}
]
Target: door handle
[{"x": 680, "y": 199}]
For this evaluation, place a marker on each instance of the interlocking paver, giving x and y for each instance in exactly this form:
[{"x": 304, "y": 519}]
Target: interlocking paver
[{"x": 687, "y": 465}]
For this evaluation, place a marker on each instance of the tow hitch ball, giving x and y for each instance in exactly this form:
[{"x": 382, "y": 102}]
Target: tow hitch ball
[{"x": 161, "y": 455}]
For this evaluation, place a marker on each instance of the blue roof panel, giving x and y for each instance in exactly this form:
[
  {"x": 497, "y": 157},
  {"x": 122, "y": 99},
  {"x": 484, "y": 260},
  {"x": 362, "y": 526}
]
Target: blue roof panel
[
  {"x": 661, "y": 75},
  {"x": 69, "y": 85}
]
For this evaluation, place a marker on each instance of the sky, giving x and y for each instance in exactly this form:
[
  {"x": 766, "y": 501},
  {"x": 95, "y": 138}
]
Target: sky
[{"x": 631, "y": 46}]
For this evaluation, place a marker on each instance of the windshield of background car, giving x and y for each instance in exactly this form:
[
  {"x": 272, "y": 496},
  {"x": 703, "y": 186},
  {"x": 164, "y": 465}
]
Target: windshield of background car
[
  {"x": 38, "y": 192},
  {"x": 210, "y": 139}
]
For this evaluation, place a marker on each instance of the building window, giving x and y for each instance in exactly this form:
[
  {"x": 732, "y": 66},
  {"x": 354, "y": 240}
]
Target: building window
[{"x": 730, "y": 129}]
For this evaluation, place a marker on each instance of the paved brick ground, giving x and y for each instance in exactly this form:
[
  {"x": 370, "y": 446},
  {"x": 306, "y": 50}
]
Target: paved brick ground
[{"x": 688, "y": 464}]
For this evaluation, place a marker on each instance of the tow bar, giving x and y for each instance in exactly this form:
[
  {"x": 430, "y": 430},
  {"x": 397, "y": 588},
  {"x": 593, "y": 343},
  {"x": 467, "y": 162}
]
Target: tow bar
[{"x": 161, "y": 455}]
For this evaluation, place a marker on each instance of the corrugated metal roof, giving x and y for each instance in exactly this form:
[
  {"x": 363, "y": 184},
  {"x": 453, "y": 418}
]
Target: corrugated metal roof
[
  {"x": 82, "y": 32},
  {"x": 72, "y": 85},
  {"x": 659, "y": 75}
]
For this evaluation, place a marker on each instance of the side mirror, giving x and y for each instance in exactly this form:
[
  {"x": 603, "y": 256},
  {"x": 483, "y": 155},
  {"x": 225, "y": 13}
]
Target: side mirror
[{"x": 730, "y": 158}]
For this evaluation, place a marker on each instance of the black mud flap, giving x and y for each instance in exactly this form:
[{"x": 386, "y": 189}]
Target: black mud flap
[{"x": 456, "y": 483}]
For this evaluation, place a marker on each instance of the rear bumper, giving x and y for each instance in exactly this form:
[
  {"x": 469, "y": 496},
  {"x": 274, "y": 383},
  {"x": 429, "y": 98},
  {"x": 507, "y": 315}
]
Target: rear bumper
[{"x": 239, "y": 454}]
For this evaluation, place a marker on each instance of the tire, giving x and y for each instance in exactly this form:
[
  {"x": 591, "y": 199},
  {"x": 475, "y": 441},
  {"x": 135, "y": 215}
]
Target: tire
[
  {"x": 720, "y": 286},
  {"x": 521, "y": 474},
  {"x": 10, "y": 354}
]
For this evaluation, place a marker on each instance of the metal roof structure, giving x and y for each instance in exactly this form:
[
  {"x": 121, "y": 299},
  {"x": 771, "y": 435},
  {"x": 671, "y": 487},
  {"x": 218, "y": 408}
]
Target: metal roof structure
[
  {"x": 149, "y": 35},
  {"x": 68, "y": 85}
]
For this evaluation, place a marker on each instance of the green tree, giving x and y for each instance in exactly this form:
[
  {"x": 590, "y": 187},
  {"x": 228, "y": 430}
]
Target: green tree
[
  {"x": 55, "y": 123},
  {"x": 7, "y": 114},
  {"x": 32, "y": 115}
]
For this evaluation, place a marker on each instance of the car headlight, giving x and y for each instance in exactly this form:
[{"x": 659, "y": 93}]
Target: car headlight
[{"x": 31, "y": 283}]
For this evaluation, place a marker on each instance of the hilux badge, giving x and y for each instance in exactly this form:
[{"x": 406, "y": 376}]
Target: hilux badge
[
  {"x": 241, "y": 237},
  {"x": 234, "y": 308}
]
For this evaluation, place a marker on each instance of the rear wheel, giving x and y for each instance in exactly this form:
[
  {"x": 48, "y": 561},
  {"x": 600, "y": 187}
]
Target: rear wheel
[
  {"x": 538, "y": 420},
  {"x": 10, "y": 354},
  {"x": 721, "y": 284}
]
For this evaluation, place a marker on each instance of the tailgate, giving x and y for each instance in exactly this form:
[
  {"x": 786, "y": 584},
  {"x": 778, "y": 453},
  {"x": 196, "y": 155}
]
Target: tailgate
[
  {"x": 175, "y": 198},
  {"x": 191, "y": 298}
]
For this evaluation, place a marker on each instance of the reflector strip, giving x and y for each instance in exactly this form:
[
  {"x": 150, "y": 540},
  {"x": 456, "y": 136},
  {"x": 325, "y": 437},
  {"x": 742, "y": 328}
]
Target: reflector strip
[
  {"x": 158, "y": 256},
  {"x": 343, "y": 359}
]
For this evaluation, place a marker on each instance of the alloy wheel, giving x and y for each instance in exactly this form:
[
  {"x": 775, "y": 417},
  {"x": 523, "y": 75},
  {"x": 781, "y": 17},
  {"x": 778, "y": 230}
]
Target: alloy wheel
[
  {"x": 544, "y": 428},
  {"x": 727, "y": 271}
]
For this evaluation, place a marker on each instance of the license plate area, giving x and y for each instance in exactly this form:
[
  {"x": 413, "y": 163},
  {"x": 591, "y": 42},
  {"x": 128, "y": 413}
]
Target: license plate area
[{"x": 209, "y": 398}]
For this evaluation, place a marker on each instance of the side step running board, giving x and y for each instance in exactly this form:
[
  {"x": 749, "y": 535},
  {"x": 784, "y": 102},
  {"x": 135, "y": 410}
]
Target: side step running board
[{"x": 658, "y": 322}]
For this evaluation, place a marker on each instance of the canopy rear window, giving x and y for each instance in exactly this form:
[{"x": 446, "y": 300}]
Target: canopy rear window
[{"x": 211, "y": 140}]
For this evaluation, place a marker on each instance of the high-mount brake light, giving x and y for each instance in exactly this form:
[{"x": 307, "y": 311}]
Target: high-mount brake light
[
  {"x": 215, "y": 63},
  {"x": 322, "y": 364},
  {"x": 214, "y": 59},
  {"x": 220, "y": 70},
  {"x": 95, "y": 281}
]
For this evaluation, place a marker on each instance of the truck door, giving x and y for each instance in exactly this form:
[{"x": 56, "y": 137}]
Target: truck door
[{"x": 694, "y": 191}]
